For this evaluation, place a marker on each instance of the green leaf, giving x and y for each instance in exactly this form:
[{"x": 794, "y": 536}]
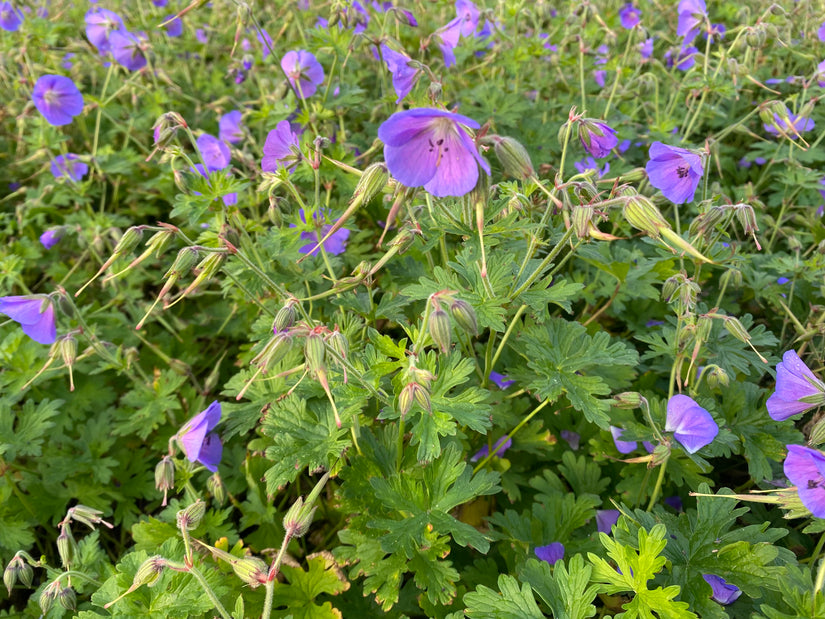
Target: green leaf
[
  {"x": 296, "y": 598},
  {"x": 509, "y": 602},
  {"x": 23, "y": 434},
  {"x": 564, "y": 589}
]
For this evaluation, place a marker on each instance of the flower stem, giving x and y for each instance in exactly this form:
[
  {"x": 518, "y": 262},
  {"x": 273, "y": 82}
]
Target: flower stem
[{"x": 657, "y": 489}]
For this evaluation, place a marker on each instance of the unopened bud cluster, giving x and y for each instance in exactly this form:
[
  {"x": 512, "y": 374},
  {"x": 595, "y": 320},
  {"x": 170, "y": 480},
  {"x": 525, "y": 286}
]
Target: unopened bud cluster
[{"x": 439, "y": 322}]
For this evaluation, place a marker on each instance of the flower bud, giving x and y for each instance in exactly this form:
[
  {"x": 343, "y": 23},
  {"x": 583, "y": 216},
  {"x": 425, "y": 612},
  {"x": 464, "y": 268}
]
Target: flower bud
[
  {"x": 68, "y": 351},
  {"x": 716, "y": 377},
  {"x": 372, "y": 182},
  {"x": 582, "y": 216},
  {"x": 660, "y": 454},
  {"x": 49, "y": 595},
  {"x": 465, "y": 316},
  {"x": 185, "y": 260},
  {"x": 404, "y": 239},
  {"x": 413, "y": 393},
  {"x": 88, "y": 516},
  {"x": 440, "y": 329},
  {"x": 315, "y": 353},
  {"x": 216, "y": 488},
  {"x": 732, "y": 278},
  {"x": 14, "y": 571},
  {"x": 66, "y": 545},
  {"x": 274, "y": 351},
  {"x": 252, "y": 570},
  {"x": 67, "y": 598},
  {"x": 285, "y": 317},
  {"x": 298, "y": 519},
  {"x": 149, "y": 572},
  {"x": 129, "y": 240},
  {"x": 643, "y": 215},
  {"x": 165, "y": 128},
  {"x": 191, "y": 517},
  {"x": 165, "y": 477},
  {"x": 628, "y": 400},
  {"x": 206, "y": 268},
  {"x": 513, "y": 157},
  {"x": 737, "y": 329}
]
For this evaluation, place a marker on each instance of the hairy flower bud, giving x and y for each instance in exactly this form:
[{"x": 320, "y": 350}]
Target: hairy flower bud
[
  {"x": 732, "y": 278},
  {"x": 372, "y": 181},
  {"x": 191, "y": 517},
  {"x": 315, "y": 353},
  {"x": 17, "y": 569},
  {"x": 413, "y": 393},
  {"x": 628, "y": 400},
  {"x": 66, "y": 545},
  {"x": 165, "y": 477},
  {"x": 513, "y": 157},
  {"x": 149, "y": 572},
  {"x": 88, "y": 516},
  {"x": 285, "y": 317},
  {"x": 737, "y": 329},
  {"x": 216, "y": 488},
  {"x": 252, "y": 570},
  {"x": 440, "y": 329},
  {"x": 129, "y": 240},
  {"x": 643, "y": 215},
  {"x": 185, "y": 260},
  {"x": 274, "y": 351},
  {"x": 716, "y": 377},
  {"x": 465, "y": 316},
  {"x": 67, "y": 598},
  {"x": 49, "y": 595},
  {"x": 298, "y": 518}
]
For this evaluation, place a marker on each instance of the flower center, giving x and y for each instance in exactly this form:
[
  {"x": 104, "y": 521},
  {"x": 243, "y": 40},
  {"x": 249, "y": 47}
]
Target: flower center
[
  {"x": 441, "y": 128},
  {"x": 682, "y": 171}
]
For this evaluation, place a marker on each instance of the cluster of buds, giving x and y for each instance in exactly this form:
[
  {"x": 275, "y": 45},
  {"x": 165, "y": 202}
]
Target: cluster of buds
[
  {"x": 18, "y": 569},
  {"x": 164, "y": 131},
  {"x": 718, "y": 217},
  {"x": 439, "y": 324},
  {"x": 416, "y": 390},
  {"x": 55, "y": 592},
  {"x": 681, "y": 290}
]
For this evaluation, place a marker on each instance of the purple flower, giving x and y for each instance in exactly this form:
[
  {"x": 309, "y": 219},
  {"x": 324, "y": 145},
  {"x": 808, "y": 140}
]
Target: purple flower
[
  {"x": 334, "y": 245},
  {"x": 430, "y": 148},
  {"x": 691, "y": 15},
  {"x": 551, "y": 553},
  {"x": 722, "y": 592},
  {"x": 674, "y": 502},
  {"x": 797, "y": 389},
  {"x": 572, "y": 438},
  {"x": 779, "y": 126},
  {"x": 599, "y": 76},
  {"x": 691, "y": 424},
  {"x": 591, "y": 164},
  {"x": 821, "y": 32},
  {"x": 175, "y": 27},
  {"x": 501, "y": 380},
  {"x": 67, "y": 60},
  {"x": 230, "y": 128},
  {"x": 448, "y": 37},
  {"x": 629, "y": 16},
  {"x": 281, "y": 148},
  {"x": 264, "y": 39},
  {"x": 805, "y": 468},
  {"x": 305, "y": 73},
  {"x": 674, "y": 171},
  {"x": 215, "y": 152},
  {"x": 100, "y": 24},
  {"x": 199, "y": 443},
  {"x": 403, "y": 75},
  {"x": 624, "y": 447},
  {"x": 69, "y": 166},
  {"x": 467, "y": 13},
  {"x": 685, "y": 60},
  {"x": 34, "y": 313},
  {"x": 126, "y": 49},
  {"x": 646, "y": 48},
  {"x": 10, "y": 17},
  {"x": 201, "y": 36},
  {"x": 605, "y": 519},
  {"x": 500, "y": 446},
  {"x": 57, "y": 98},
  {"x": 51, "y": 237},
  {"x": 597, "y": 138}
]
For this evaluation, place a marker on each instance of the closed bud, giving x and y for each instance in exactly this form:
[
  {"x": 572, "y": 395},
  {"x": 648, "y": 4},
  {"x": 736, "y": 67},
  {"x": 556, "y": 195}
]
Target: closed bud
[
  {"x": 285, "y": 317},
  {"x": 298, "y": 519},
  {"x": 736, "y": 329},
  {"x": 660, "y": 454},
  {"x": 25, "y": 573},
  {"x": 149, "y": 572},
  {"x": 216, "y": 488},
  {"x": 777, "y": 10},
  {"x": 185, "y": 260},
  {"x": 405, "y": 17},
  {"x": 165, "y": 128},
  {"x": 413, "y": 393},
  {"x": 252, "y": 570},
  {"x": 643, "y": 215},
  {"x": 582, "y": 216},
  {"x": 755, "y": 38},
  {"x": 67, "y": 599},
  {"x": 716, "y": 377},
  {"x": 817, "y": 435},
  {"x": 49, "y": 595},
  {"x": 66, "y": 545},
  {"x": 129, "y": 240},
  {"x": 732, "y": 278},
  {"x": 315, "y": 353},
  {"x": 747, "y": 218},
  {"x": 372, "y": 182},
  {"x": 88, "y": 516},
  {"x": 12, "y": 572},
  {"x": 274, "y": 351},
  {"x": 703, "y": 327},
  {"x": 404, "y": 239},
  {"x": 440, "y": 329},
  {"x": 513, "y": 157},
  {"x": 165, "y": 477},
  {"x": 464, "y": 316},
  {"x": 628, "y": 400},
  {"x": 191, "y": 517}
]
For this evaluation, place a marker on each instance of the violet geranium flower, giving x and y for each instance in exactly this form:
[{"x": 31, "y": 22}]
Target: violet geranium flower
[
  {"x": 623, "y": 447},
  {"x": 674, "y": 171},
  {"x": 57, "y": 98},
  {"x": 691, "y": 424},
  {"x": 229, "y": 127},
  {"x": 597, "y": 138},
  {"x": 403, "y": 75},
  {"x": 126, "y": 49},
  {"x": 500, "y": 446},
  {"x": 100, "y": 24},
  {"x": 34, "y": 313},
  {"x": 430, "y": 148},
  {"x": 789, "y": 125},
  {"x": 691, "y": 15},
  {"x": 629, "y": 16},
  {"x": 304, "y": 71},
  {"x": 215, "y": 152},
  {"x": 281, "y": 148},
  {"x": 805, "y": 468},
  {"x": 605, "y": 519},
  {"x": 334, "y": 245},
  {"x": 797, "y": 389},
  {"x": 500, "y": 380},
  {"x": 10, "y": 17},
  {"x": 52, "y": 236},
  {"x": 551, "y": 553},
  {"x": 723, "y": 592},
  {"x": 69, "y": 166},
  {"x": 198, "y": 441}
]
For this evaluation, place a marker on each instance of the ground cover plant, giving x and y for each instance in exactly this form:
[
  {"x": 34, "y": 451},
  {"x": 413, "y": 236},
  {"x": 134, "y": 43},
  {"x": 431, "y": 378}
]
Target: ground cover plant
[{"x": 353, "y": 309}]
